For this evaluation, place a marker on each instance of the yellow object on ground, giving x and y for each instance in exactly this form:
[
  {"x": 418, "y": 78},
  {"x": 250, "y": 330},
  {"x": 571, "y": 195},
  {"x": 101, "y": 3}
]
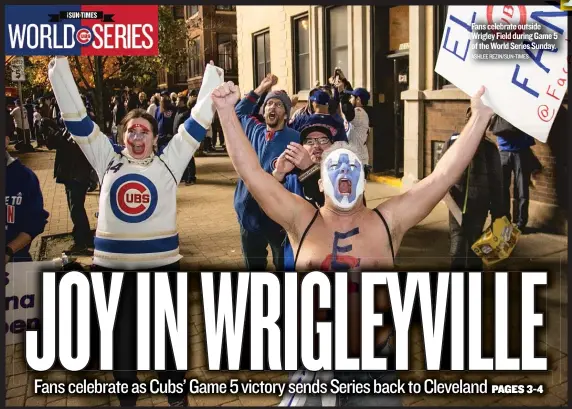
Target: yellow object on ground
[{"x": 497, "y": 242}]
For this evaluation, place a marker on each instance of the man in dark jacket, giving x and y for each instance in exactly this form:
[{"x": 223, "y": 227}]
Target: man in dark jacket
[
  {"x": 30, "y": 114},
  {"x": 72, "y": 169},
  {"x": 477, "y": 193},
  {"x": 25, "y": 214},
  {"x": 10, "y": 127},
  {"x": 269, "y": 140}
]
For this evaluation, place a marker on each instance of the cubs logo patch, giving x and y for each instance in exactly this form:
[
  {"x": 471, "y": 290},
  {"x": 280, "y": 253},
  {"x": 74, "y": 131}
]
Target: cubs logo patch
[
  {"x": 133, "y": 198},
  {"x": 273, "y": 165}
]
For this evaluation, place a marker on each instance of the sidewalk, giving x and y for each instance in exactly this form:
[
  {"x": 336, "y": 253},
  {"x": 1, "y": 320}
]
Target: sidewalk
[{"x": 210, "y": 241}]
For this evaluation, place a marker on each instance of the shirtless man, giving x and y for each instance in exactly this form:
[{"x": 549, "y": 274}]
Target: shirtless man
[{"x": 345, "y": 235}]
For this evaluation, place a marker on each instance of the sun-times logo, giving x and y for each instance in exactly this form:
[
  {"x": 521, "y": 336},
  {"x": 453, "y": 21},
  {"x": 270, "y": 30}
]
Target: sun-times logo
[
  {"x": 133, "y": 198},
  {"x": 64, "y": 36}
]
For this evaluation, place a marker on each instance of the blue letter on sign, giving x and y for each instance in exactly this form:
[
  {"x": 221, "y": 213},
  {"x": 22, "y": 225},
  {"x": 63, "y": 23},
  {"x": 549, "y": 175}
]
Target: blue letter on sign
[
  {"x": 522, "y": 84},
  {"x": 537, "y": 15},
  {"x": 466, "y": 27},
  {"x": 538, "y": 57}
]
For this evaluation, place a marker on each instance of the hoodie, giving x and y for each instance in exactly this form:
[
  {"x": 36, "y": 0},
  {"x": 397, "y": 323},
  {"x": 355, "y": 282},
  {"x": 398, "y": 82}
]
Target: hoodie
[{"x": 24, "y": 205}]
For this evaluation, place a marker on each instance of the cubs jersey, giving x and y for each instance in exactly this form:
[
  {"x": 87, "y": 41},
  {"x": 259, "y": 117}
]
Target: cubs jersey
[{"x": 137, "y": 226}]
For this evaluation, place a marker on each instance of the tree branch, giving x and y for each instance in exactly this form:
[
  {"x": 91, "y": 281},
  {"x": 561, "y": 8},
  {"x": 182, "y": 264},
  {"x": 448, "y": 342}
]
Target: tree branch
[
  {"x": 91, "y": 66},
  {"x": 80, "y": 73}
]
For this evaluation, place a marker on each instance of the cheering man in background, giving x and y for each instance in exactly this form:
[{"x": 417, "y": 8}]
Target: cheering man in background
[{"x": 269, "y": 140}]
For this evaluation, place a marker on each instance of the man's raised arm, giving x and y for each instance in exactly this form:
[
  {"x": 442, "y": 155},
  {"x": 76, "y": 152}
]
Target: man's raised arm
[
  {"x": 408, "y": 209},
  {"x": 280, "y": 205}
]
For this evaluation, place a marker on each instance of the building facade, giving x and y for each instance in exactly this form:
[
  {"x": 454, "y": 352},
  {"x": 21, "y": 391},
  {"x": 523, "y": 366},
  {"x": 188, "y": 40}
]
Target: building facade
[
  {"x": 391, "y": 51},
  {"x": 212, "y": 36}
]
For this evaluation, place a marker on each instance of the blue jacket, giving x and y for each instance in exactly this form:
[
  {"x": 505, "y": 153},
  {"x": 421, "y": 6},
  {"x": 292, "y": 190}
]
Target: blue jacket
[
  {"x": 165, "y": 121},
  {"x": 515, "y": 143},
  {"x": 334, "y": 122},
  {"x": 24, "y": 206},
  {"x": 250, "y": 215}
]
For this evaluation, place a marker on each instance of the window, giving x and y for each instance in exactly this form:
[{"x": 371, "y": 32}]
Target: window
[
  {"x": 226, "y": 8},
  {"x": 337, "y": 39},
  {"x": 193, "y": 10},
  {"x": 196, "y": 68},
  {"x": 301, "y": 54},
  {"x": 181, "y": 74},
  {"x": 179, "y": 12},
  {"x": 162, "y": 77},
  {"x": 261, "y": 56},
  {"x": 440, "y": 18},
  {"x": 228, "y": 52}
]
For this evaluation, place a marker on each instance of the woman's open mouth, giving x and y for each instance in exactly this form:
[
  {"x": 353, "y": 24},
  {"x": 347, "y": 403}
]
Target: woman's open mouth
[
  {"x": 345, "y": 186},
  {"x": 138, "y": 149}
]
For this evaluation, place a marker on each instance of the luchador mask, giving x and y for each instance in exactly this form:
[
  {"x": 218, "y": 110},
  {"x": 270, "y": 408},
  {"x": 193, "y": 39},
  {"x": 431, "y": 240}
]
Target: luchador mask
[{"x": 343, "y": 178}]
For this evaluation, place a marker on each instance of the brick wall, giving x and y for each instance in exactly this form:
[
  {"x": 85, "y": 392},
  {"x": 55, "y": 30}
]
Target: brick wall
[{"x": 443, "y": 118}]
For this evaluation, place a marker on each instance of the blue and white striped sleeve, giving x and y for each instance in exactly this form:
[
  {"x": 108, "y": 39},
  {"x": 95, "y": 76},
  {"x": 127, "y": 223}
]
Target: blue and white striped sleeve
[{"x": 94, "y": 144}]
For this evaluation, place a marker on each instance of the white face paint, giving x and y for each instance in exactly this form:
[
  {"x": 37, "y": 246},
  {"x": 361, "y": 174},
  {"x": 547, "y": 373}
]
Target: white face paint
[{"x": 343, "y": 178}]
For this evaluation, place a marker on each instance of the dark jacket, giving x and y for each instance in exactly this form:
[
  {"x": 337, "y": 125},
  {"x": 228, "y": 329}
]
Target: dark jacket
[
  {"x": 484, "y": 180},
  {"x": 30, "y": 113},
  {"x": 180, "y": 117},
  {"x": 10, "y": 127},
  {"x": 70, "y": 164},
  {"x": 24, "y": 206},
  {"x": 268, "y": 149},
  {"x": 118, "y": 112}
]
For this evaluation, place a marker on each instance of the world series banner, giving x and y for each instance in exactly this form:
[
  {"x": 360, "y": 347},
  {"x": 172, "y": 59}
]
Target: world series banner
[{"x": 82, "y": 30}]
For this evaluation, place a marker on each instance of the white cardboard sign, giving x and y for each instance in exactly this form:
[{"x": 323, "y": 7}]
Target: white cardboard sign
[
  {"x": 526, "y": 92},
  {"x": 23, "y": 307}
]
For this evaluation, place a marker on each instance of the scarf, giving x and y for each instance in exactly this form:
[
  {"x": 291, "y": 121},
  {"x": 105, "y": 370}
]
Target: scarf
[{"x": 141, "y": 162}]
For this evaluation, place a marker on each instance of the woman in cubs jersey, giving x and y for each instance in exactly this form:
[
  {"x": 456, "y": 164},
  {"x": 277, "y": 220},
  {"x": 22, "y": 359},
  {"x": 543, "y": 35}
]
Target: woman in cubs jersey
[{"x": 137, "y": 226}]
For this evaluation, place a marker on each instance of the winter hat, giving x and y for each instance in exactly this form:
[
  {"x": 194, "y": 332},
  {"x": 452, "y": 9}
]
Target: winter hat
[{"x": 283, "y": 97}]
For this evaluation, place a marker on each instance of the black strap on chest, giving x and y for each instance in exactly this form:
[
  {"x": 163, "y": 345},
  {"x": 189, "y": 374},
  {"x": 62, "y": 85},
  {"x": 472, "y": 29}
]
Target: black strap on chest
[
  {"x": 304, "y": 235},
  {"x": 388, "y": 232}
]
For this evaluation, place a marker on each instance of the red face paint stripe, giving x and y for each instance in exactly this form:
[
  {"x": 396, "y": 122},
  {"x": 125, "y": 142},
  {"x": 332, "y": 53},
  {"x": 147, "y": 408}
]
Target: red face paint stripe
[{"x": 138, "y": 126}]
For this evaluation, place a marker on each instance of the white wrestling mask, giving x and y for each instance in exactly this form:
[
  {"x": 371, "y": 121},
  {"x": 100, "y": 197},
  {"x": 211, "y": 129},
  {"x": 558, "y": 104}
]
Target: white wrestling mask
[{"x": 343, "y": 178}]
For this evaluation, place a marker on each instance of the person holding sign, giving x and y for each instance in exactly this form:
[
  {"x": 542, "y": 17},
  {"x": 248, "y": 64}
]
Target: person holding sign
[
  {"x": 478, "y": 192},
  {"x": 137, "y": 224},
  {"x": 344, "y": 235}
]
